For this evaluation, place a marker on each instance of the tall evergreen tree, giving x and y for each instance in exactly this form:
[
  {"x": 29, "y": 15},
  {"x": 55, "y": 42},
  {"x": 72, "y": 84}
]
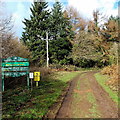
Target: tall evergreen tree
[
  {"x": 60, "y": 47},
  {"x": 35, "y": 27}
]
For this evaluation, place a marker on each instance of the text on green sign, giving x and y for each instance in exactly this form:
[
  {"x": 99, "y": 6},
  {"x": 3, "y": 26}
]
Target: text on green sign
[{"x": 7, "y": 64}]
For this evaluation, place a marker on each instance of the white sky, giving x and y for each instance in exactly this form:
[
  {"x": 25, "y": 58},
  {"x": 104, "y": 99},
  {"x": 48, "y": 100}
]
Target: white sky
[{"x": 85, "y": 7}]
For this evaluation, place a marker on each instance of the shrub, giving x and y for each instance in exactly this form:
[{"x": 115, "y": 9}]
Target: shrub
[
  {"x": 70, "y": 68},
  {"x": 44, "y": 70},
  {"x": 84, "y": 63},
  {"x": 13, "y": 47},
  {"x": 112, "y": 71},
  {"x": 55, "y": 66}
]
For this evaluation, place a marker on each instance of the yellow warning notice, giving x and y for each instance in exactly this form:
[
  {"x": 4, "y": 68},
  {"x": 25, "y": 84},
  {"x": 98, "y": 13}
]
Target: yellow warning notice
[{"x": 36, "y": 76}]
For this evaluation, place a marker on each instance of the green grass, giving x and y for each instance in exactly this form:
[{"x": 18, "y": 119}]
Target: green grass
[
  {"x": 66, "y": 76},
  {"x": 102, "y": 80},
  {"x": 94, "y": 109},
  {"x": 21, "y": 103}
]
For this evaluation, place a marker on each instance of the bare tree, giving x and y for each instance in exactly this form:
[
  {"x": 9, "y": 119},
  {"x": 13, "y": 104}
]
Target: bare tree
[
  {"x": 9, "y": 44},
  {"x": 78, "y": 22},
  {"x": 5, "y": 28}
]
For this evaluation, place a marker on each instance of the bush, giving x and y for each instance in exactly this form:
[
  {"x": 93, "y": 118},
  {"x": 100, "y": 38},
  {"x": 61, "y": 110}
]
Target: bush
[
  {"x": 70, "y": 68},
  {"x": 13, "y": 47},
  {"x": 44, "y": 70},
  {"x": 66, "y": 61},
  {"x": 112, "y": 71},
  {"x": 84, "y": 63},
  {"x": 56, "y": 66},
  {"x": 59, "y": 67},
  {"x": 13, "y": 82}
]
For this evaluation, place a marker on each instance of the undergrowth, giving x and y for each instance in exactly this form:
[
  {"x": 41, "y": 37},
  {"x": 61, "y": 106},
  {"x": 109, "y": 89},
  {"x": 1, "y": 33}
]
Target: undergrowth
[
  {"x": 24, "y": 103},
  {"x": 112, "y": 72}
]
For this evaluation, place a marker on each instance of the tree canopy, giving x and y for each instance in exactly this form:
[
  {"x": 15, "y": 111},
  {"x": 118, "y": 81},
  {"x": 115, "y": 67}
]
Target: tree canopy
[
  {"x": 34, "y": 28},
  {"x": 58, "y": 28},
  {"x": 74, "y": 39},
  {"x": 61, "y": 29}
]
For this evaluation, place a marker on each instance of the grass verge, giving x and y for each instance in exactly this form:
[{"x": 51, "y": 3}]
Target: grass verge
[
  {"x": 65, "y": 76},
  {"x": 21, "y": 103},
  {"x": 102, "y": 80}
]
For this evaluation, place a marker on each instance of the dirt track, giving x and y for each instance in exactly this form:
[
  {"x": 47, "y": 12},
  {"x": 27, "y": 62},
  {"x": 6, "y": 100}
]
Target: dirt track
[{"x": 87, "y": 99}]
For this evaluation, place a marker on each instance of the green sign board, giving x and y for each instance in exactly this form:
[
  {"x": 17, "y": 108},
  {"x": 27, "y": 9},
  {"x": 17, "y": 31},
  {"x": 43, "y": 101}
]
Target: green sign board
[
  {"x": 7, "y": 69},
  {"x": 15, "y": 67},
  {"x": 10, "y": 64},
  {"x": 14, "y": 59},
  {"x": 14, "y": 74}
]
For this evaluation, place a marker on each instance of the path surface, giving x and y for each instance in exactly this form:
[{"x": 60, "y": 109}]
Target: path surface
[{"x": 87, "y": 99}]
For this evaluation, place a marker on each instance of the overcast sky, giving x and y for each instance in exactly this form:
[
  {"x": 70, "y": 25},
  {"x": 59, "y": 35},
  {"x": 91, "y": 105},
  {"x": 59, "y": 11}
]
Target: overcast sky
[{"x": 19, "y": 9}]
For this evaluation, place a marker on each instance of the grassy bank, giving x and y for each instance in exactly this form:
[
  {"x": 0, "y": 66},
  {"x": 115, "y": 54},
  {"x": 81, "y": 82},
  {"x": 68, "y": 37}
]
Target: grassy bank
[
  {"x": 21, "y": 103},
  {"x": 102, "y": 79}
]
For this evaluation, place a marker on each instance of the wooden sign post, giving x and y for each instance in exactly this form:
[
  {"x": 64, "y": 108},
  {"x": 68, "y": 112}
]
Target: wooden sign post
[{"x": 15, "y": 67}]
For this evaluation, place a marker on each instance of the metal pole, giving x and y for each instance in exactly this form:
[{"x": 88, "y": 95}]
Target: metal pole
[
  {"x": 28, "y": 81},
  {"x": 47, "y": 49},
  {"x": 31, "y": 84},
  {"x": 3, "y": 83}
]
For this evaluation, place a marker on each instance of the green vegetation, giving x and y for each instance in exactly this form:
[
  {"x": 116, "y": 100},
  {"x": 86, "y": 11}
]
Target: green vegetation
[
  {"x": 35, "y": 26},
  {"x": 93, "y": 110},
  {"x": 102, "y": 81},
  {"x": 75, "y": 41},
  {"x": 60, "y": 47},
  {"x": 23, "y": 103},
  {"x": 71, "y": 43},
  {"x": 42, "y": 21},
  {"x": 66, "y": 76}
]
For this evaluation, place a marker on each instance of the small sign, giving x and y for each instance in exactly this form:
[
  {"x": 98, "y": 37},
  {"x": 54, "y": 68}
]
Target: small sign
[
  {"x": 31, "y": 75},
  {"x": 36, "y": 76}
]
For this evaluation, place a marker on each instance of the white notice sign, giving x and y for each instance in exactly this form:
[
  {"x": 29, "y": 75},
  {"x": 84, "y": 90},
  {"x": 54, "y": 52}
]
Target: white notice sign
[{"x": 30, "y": 75}]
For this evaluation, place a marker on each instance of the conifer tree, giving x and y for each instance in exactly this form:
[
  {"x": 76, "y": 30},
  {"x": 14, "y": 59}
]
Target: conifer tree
[
  {"x": 60, "y": 47},
  {"x": 34, "y": 28}
]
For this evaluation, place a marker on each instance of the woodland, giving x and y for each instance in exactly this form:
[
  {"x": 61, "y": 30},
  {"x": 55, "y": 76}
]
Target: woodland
[{"x": 75, "y": 44}]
